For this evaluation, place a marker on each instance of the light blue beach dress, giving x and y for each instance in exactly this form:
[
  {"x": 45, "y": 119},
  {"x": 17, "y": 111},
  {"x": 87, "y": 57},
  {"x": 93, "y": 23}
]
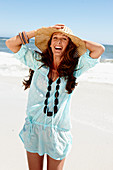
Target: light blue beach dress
[{"x": 41, "y": 133}]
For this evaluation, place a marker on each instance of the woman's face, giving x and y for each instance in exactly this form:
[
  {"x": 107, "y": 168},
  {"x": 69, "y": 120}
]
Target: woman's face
[{"x": 59, "y": 43}]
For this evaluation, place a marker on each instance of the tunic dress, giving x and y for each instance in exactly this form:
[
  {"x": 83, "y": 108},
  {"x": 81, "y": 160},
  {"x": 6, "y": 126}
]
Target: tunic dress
[{"x": 41, "y": 133}]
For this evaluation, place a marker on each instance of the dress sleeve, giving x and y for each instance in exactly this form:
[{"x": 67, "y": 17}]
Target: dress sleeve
[
  {"x": 28, "y": 57},
  {"x": 85, "y": 62}
]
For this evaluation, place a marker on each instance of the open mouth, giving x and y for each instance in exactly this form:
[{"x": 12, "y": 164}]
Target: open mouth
[{"x": 58, "y": 48}]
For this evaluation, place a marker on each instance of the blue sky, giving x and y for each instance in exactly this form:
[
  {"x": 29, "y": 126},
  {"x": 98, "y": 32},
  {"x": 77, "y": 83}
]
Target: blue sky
[{"x": 90, "y": 20}]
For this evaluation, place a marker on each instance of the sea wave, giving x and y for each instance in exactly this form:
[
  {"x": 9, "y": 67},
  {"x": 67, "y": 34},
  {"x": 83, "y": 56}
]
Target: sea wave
[
  {"x": 3, "y": 39},
  {"x": 102, "y": 72},
  {"x": 10, "y": 66},
  {"x": 106, "y": 60}
]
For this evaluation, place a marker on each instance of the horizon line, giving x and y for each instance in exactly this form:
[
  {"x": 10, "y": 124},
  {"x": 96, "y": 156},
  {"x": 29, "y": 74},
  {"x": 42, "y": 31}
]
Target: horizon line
[{"x": 34, "y": 38}]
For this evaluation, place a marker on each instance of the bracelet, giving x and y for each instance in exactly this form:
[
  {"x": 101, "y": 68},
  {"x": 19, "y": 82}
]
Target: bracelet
[
  {"x": 26, "y": 37},
  {"x": 23, "y": 37},
  {"x": 20, "y": 36}
]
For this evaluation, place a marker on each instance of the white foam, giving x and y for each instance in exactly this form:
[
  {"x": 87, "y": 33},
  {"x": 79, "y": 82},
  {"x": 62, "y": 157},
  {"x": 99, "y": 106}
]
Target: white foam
[
  {"x": 102, "y": 72},
  {"x": 10, "y": 66},
  {"x": 4, "y": 39}
]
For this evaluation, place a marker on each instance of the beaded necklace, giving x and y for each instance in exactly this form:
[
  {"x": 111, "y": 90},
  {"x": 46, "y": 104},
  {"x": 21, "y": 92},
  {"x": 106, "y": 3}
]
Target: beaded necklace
[{"x": 46, "y": 109}]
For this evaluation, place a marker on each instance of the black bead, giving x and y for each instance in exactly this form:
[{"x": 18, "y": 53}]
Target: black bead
[
  {"x": 57, "y": 87},
  {"x": 58, "y": 81},
  {"x": 49, "y": 113},
  {"x": 46, "y": 101},
  {"x": 49, "y": 88},
  {"x": 55, "y": 109},
  {"x": 45, "y": 108},
  {"x": 56, "y": 101},
  {"x": 56, "y": 94},
  {"x": 50, "y": 81},
  {"x": 47, "y": 94}
]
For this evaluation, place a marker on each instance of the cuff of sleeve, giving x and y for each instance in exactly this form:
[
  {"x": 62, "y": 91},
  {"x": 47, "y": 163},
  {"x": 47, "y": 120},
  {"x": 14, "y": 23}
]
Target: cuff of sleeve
[
  {"x": 22, "y": 49},
  {"x": 85, "y": 63},
  {"x": 90, "y": 61},
  {"x": 19, "y": 55}
]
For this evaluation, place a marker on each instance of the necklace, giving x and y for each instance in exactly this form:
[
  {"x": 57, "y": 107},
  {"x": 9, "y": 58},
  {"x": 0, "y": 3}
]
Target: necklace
[{"x": 46, "y": 109}]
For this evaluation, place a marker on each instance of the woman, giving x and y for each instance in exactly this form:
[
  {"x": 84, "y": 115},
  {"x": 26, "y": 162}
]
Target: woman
[{"x": 53, "y": 73}]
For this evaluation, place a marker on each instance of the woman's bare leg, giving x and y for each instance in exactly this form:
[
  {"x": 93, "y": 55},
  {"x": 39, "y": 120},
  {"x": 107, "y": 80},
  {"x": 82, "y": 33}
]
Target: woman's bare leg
[
  {"x": 35, "y": 161},
  {"x": 54, "y": 164}
]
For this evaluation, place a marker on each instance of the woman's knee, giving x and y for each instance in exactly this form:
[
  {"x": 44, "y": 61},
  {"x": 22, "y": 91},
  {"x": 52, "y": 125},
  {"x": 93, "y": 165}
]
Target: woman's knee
[{"x": 35, "y": 161}]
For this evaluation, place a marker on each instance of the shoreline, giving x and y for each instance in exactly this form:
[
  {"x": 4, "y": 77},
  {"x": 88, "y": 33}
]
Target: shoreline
[{"x": 92, "y": 125}]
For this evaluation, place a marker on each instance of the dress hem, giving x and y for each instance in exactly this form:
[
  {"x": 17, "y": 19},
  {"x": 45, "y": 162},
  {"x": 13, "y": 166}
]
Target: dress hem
[{"x": 44, "y": 152}]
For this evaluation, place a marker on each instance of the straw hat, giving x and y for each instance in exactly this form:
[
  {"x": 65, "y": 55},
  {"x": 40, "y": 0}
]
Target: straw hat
[{"x": 43, "y": 35}]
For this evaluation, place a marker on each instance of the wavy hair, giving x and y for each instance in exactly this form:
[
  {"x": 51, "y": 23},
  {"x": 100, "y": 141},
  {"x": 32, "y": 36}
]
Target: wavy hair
[{"x": 65, "y": 69}]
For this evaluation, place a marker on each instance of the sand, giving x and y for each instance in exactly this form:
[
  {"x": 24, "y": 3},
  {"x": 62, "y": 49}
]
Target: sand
[{"x": 92, "y": 126}]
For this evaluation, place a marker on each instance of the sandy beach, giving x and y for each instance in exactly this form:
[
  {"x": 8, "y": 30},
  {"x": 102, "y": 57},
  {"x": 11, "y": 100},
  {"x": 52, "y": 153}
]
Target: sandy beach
[{"x": 92, "y": 126}]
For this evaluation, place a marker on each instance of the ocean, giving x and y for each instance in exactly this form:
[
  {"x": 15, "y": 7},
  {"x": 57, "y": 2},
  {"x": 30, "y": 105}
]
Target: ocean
[{"x": 102, "y": 72}]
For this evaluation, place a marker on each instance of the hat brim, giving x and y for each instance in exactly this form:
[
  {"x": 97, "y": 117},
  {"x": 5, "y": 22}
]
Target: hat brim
[{"x": 43, "y": 35}]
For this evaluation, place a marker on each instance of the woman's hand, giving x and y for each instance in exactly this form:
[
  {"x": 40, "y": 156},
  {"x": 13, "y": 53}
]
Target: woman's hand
[{"x": 58, "y": 26}]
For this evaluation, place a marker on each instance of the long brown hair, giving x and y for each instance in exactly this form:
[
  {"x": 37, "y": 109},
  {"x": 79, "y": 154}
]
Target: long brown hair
[{"x": 66, "y": 67}]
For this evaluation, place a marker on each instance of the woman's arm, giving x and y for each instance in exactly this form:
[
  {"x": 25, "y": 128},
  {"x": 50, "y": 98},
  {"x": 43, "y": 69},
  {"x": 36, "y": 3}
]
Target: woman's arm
[
  {"x": 95, "y": 48},
  {"x": 14, "y": 43}
]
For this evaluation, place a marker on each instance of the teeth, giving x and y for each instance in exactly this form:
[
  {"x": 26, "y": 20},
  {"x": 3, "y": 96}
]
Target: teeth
[{"x": 59, "y": 48}]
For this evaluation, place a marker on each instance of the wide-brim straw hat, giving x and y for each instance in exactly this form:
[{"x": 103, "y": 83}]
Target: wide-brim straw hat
[{"x": 43, "y": 35}]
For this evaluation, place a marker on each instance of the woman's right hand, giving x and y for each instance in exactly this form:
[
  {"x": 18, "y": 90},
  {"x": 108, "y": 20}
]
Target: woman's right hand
[{"x": 58, "y": 26}]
